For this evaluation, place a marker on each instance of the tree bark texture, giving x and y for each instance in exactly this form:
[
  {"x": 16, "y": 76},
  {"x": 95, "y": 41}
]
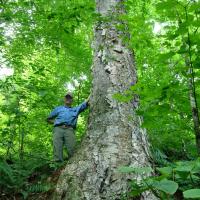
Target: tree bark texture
[{"x": 114, "y": 137}]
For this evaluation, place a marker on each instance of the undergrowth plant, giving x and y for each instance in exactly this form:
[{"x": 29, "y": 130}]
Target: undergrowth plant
[{"x": 181, "y": 177}]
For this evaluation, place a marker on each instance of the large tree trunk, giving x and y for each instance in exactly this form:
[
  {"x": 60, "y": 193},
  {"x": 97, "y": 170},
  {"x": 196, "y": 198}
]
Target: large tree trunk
[{"x": 114, "y": 137}]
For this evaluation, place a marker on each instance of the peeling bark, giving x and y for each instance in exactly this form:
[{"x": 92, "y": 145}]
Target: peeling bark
[{"x": 114, "y": 137}]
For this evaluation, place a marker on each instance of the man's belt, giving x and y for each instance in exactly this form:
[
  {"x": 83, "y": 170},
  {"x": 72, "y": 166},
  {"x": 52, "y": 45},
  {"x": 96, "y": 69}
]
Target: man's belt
[{"x": 63, "y": 126}]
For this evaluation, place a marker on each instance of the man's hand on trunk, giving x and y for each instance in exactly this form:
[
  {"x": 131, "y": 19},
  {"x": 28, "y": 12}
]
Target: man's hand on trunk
[
  {"x": 50, "y": 121},
  {"x": 88, "y": 100}
]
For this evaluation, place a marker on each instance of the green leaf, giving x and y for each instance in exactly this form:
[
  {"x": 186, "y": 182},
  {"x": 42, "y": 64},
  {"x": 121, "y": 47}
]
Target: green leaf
[
  {"x": 137, "y": 188},
  {"x": 196, "y": 168},
  {"x": 165, "y": 170},
  {"x": 135, "y": 169},
  {"x": 192, "y": 194},
  {"x": 165, "y": 4},
  {"x": 184, "y": 168},
  {"x": 166, "y": 186}
]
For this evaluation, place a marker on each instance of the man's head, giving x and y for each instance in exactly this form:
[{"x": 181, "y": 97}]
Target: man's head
[{"x": 68, "y": 99}]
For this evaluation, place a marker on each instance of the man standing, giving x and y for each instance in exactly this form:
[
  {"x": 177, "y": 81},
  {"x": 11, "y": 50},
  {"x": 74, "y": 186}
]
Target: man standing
[{"x": 64, "y": 119}]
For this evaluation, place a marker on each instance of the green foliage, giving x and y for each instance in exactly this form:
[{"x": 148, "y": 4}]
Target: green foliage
[
  {"x": 37, "y": 188},
  {"x": 164, "y": 35},
  {"x": 26, "y": 178},
  {"x": 192, "y": 194},
  {"x": 159, "y": 157},
  {"x": 48, "y": 46},
  {"x": 175, "y": 177},
  {"x": 166, "y": 186},
  {"x": 7, "y": 177}
]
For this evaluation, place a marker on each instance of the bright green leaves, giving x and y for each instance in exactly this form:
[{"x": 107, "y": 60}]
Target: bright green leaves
[
  {"x": 167, "y": 186},
  {"x": 185, "y": 170},
  {"x": 48, "y": 48},
  {"x": 50, "y": 45},
  {"x": 161, "y": 45},
  {"x": 166, "y": 171},
  {"x": 192, "y": 194},
  {"x": 155, "y": 184},
  {"x": 166, "y": 8},
  {"x": 164, "y": 185},
  {"x": 177, "y": 176}
]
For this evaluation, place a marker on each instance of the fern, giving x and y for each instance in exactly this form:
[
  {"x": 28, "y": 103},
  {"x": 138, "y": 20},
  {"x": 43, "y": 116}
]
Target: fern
[
  {"x": 7, "y": 176},
  {"x": 159, "y": 157},
  {"x": 38, "y": 187}
]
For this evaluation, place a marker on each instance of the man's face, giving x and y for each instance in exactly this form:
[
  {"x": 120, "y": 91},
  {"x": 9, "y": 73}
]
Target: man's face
[{"x": 68, "y": 100}]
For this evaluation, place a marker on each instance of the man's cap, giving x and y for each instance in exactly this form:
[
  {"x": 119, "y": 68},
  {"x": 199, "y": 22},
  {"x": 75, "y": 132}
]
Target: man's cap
[{"x": 69, "y": 94}]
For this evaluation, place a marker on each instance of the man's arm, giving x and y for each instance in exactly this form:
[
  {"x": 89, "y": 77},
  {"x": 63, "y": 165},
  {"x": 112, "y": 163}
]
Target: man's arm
[
  {"x": 53, "y": 114},
  {"x": 83, "y": 105}
]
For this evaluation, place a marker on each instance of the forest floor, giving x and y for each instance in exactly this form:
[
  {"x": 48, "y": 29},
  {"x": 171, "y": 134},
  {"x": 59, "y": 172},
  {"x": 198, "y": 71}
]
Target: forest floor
[{"x": 51, "y": 178}]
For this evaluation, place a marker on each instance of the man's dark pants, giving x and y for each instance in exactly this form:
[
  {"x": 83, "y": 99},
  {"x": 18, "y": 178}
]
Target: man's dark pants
[{"x": 66, "y": 137}]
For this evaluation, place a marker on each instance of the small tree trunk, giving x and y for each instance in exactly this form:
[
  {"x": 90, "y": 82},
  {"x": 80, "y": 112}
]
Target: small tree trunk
[
  {"x": 114, "y": 137},
  {"x": 192, "y": 89},
  {"x": 193, "y": 104}
]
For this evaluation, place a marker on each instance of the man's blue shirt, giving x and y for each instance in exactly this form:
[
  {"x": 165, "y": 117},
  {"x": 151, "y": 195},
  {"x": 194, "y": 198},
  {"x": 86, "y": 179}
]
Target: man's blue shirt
[{"x": 67, "y": 115}]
